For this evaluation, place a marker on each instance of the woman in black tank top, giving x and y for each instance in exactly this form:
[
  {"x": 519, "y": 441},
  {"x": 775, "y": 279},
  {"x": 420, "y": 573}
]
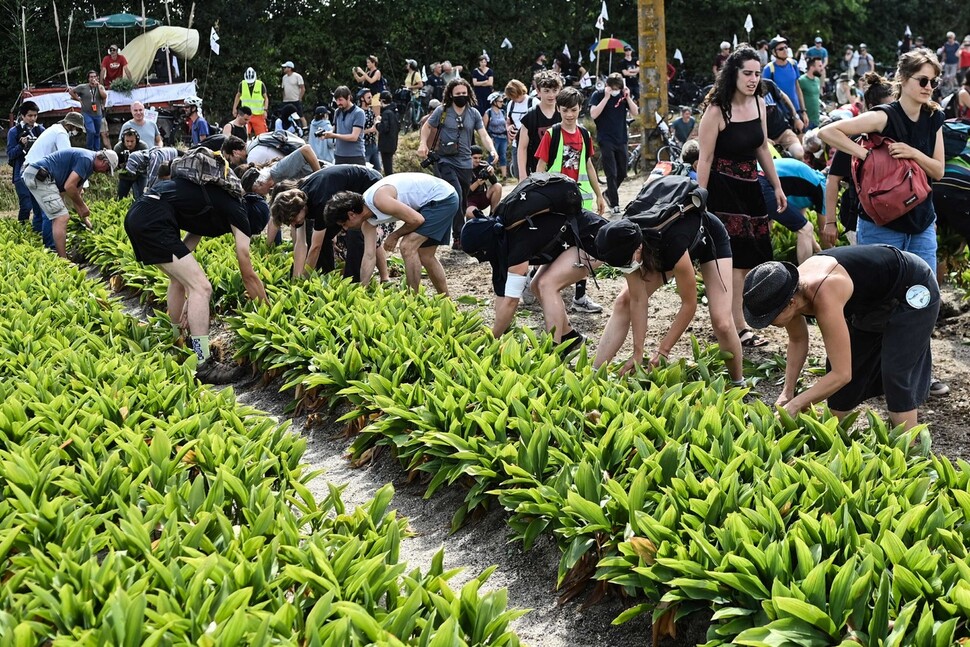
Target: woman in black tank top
[
  {"x": 733, "y": 140},
  {"x": 876, "y": 308}
]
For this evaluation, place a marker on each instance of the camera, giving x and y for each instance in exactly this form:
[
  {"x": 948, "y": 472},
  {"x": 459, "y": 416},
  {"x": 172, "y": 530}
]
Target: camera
[
  {"x": 30, "y": 139},
  {"x": 483, "y": 173},
  {"x": 430, "y": 160},
  {"x": 319, "y": 132}
]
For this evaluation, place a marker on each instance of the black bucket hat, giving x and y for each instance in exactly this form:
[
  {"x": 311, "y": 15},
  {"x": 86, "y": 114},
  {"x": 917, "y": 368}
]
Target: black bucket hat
[
  {"x": 617, "y": 241},
  {"x": 767, "y": 290}
]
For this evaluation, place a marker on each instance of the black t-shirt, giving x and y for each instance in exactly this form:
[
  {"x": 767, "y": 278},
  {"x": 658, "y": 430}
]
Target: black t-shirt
[
  {"x": 536, "y": 124},
  {"x": 611, "y": 124},
  {"x": 437, "y": 84},
  {"x": 921, "y": 135},
  {"x": 632, "y": 82},
  {"x": 211, "y": 218},
  {"x": 321, "y": 185}
]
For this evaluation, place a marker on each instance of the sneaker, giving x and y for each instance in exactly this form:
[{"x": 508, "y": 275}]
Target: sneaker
[
  {"x": 616, "y": 211},
  {"x": 938, "y": 388},
  {"x": 586, "y": 305},
  {"x": 212, "y": 371}
]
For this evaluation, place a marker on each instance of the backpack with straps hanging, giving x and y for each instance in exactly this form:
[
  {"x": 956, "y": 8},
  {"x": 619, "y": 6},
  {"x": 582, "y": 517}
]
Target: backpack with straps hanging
[
  {"x": 200, "y": 166},
  {"x": 888, "y": 187},
  {"x": 663, "y": 202}
]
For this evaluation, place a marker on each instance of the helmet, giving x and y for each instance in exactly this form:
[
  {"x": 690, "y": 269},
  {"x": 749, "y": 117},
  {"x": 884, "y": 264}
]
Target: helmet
[
  {"x": 250, "y": 75},
  {"x": 495, "y": 96},
  {"x": 193, "y": 101}
]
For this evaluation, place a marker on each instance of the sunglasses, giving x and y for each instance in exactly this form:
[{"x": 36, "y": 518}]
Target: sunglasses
[{"x": 923, "y": 81}]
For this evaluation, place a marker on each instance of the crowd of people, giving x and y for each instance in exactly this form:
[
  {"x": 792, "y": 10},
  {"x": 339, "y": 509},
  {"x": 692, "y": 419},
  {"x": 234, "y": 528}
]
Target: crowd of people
[{"x": 769, "y": 144}]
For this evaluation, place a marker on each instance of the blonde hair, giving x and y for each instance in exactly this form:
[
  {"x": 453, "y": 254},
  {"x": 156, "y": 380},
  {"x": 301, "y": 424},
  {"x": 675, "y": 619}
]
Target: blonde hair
[
  {"x": 909, "y": 65},
  {"x": 515, "y": 89}
]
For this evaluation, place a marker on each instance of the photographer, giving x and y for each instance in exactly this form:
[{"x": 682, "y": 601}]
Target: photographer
[
  {"x": 484, "y": 192},
  {"x": 446, "y": 140},
  {"x": 19, "y": 140},
  {"x": 388, "y": 128},
  {"x": 129, "y": 182}
]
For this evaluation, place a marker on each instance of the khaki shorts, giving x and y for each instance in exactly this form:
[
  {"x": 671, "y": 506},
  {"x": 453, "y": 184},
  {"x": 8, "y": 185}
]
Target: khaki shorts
[{"x": 46, "y": 193}]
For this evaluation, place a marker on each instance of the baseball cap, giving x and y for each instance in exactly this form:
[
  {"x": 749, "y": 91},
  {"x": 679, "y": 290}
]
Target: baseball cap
[
  {"x": 288, "y": 64},
  {"x": 767, "y": 290},
  {"x": 321, "y": 110},
  {"x": 862, "y": 46},
  {"x": 818, "y": 39},
  {"x": 112, "y": 158},
  {"x": 617, "y": 241},
  {"x": 725, "y": 45}
]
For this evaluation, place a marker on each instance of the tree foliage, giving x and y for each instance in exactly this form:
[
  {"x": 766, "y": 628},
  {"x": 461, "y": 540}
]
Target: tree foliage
[{"x": 326, "y": 39}]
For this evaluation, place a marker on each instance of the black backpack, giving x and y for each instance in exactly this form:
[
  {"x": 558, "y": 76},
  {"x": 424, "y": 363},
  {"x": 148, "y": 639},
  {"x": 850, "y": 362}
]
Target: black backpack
[
  {"x": 664, "y": 201},
  {"x": 483, "y": 237}
]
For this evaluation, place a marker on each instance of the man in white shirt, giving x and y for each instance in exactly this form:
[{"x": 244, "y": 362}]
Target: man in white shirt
[
  {"x": 293, "y": 90},
  {"x": 147, "y": 130}
]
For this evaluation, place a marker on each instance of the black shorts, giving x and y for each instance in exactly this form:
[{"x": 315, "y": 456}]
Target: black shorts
[
  {"x": 952, "y": 205},
  {"x": 891, "y": 348},
  {"x": 713, "y": 245},
  {"x": 154, "y": 232}
]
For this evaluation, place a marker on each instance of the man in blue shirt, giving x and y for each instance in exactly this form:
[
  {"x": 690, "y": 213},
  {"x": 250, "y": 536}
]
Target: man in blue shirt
[
  {"x": 200, "y": 127},
  {"x": 785, "y": 75},
  {"x": 817, "y": 51},
  {"x": 19, "y": 140},
  {"x": 348, "y": 129},
  {"x": 66, "y": 171},
  {"x": 805, "y": 189}
]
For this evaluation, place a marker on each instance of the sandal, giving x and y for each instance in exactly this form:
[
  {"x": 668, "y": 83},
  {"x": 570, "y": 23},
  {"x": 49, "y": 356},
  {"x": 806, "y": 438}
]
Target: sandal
[{"x": 750, "y": 340}]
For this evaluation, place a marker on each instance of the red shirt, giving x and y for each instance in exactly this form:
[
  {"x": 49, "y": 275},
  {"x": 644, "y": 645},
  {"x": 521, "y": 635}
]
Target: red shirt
[
  {"x": 114, "y": 68},
  {"x": 964, "y": 58},
  {"x": 572, "y": 146}
]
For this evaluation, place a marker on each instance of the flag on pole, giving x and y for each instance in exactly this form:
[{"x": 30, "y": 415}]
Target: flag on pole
[
  {"x": 603, "y": 17},
  {"x": 580, "y": 58},
  {"x": 748, "y": 23},
  {"x": 506, "y": 44},
  {"x": 599, "y": 23},
  {"x": 734, "y": 41},
  {"x": 424, "y": 73},
  {"x": 565, "y": 50},
  {"x": 214, "y": 41},
  {"x": 485, "y": 54},
  {"x": 678, "y": 56},
  {"x": 908, "y": 32}
]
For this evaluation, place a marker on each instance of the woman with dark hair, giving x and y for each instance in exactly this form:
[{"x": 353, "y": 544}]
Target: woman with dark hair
[
  {"x": 371, "y": 79},
  {"x": 878, "y": 92},
  {"x": 696, "y": 236},
  {"x": 483, "y": 78},
  {"x": 733, "y": 142}
]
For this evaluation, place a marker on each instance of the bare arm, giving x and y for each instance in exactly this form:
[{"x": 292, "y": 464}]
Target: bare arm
[
  {"x": 641, "y": 285},
  {"x": 487, "y": 143},
  {"x": 687, "y": 289},
  {"x": 316, "y": 245},
  {"x": 369, "y": 260},
  {"x": 768, "y": 164},
  {"x": 311, "y": 158},
  {"x": 73, "y": 189},
  {"x": 235, "y": 102},
  {"x": 386, "y": 201},
  {"x": 932, "y": 166},
  {"x": 522, "y": 153},
  {"x": 830, "y": 230},
  {"x": 298, "y": 234},
  {"x": 254, "y": 287},
  {"x": 352, "y": 136},
  {"x": 839, "y": 134},
  {"x": 838, "y": 348},
  {"x": 707, "y": 139},
  {"x": 428, "y": 133}
]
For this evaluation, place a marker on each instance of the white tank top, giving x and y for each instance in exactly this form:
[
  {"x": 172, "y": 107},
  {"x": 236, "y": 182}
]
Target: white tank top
[{"x": 413, "y": 189}]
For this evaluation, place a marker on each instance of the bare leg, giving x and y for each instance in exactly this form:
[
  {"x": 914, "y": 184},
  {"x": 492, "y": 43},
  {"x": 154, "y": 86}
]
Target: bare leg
[
  {"x": 616, "y": 331},
  {"x": 435, "y": 272},
  {"x": 59, "y": 229},
  {"x": 905, "y": 418},
  {"x": 720, "y": 302},
  {"x": 382, "y": 264},
  {"x": 412, "y": 261},
  {"x": 805, "y": 243},
  {"x": 548, "y": 285},
  {"x": 188, "y": 272},
  {"x": 737, "y": 277}
]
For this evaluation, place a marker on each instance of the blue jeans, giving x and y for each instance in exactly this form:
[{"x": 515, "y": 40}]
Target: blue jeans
[
  {"x": 501, "y": 147},
  {"x": 922, "y": 244},
  {"x": 92, "y": 125},
  {"x": 373, "y": 155},
  {"x": 134, "y": 185},
  {"x": 28, "y": 203}
]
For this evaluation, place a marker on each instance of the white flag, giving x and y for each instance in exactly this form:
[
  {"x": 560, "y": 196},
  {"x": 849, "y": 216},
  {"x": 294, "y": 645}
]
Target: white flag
[
  {"x": 678, "y": 56},
  {"x": 907, "y": 32},
  {"x": 485, "y": 54},
  {"x": 565, "y": 50},
  {"x": 603, "y": 13},
  {"x": 599, "y": 23},
  {"x": 175, "y": 65},
  {"x": 735, "y": 41},
  {"x": 214, "y": 41},
  {"x": 592, "y": 57},
  {"x": 580, "y": 57},
  {"x": 506, "y": 44},
  {"x": 748, "y": 23},
  {"x": 424, "y": 73}
]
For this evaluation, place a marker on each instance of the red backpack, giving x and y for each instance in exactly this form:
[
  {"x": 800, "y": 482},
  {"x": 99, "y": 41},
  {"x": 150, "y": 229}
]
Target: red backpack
[{"x": 888, "y": 187}]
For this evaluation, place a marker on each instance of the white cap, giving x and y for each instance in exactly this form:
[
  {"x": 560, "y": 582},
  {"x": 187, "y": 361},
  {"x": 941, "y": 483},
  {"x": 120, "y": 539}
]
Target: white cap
[
  {"x": 725, "y": 44},
  {"x": 112, "y": 158},
  {"x": 288, "y": 64}
]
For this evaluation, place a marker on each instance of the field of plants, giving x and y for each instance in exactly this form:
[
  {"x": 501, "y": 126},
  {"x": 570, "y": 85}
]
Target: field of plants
[{"x": 668, "y": 488}]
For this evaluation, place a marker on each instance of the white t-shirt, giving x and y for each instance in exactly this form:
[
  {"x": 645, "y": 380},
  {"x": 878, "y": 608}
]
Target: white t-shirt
[
  {"x": 413, "y": 189},
  {"x": 291, "y": 86},
  {"x": 517, "y": 109},
  {"x": 50, "y": 141}
]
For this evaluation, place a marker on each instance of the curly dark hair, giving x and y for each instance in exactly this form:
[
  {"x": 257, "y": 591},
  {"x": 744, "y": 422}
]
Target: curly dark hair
[
  {"x": 335, "y": 213},
  {"x": 447, "y": 99},
  {"x": 286, "y": 206},
  {"x": 726, "y": 83}
]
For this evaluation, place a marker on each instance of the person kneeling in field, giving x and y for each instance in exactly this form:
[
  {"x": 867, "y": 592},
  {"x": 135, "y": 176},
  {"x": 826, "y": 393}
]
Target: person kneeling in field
[
  {"x": 300, "y": 205},
  {"x": 876, "y": 307},
  {"x": 153, "y": 225},
  {"x": 426, "y": 206},
  {"x": 645, "y": 262}
]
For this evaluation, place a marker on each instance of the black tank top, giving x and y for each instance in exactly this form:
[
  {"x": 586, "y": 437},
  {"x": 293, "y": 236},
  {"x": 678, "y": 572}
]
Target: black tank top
[
  {"x": 739, "y": 141},
  {"x": 239, "y": 131},
  {"x": 877, "y": 273}
]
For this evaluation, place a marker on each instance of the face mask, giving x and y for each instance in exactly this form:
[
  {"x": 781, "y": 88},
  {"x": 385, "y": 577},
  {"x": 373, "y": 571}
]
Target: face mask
[
  {"x": 614, "y": 93},
  {"x": 460, "y": 102},
  {"x": 631, "y": 268}
]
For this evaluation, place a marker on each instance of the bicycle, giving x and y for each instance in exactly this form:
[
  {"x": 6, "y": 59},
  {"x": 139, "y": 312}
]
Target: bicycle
[
  {"x": 670, "y": 149},
  {"x": 412, "y": 110}
]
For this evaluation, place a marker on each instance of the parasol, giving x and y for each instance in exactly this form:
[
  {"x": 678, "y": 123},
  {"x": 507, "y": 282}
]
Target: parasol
[
  {"x": 611, "y": 44},
  {"x": 122, "y": 21}
]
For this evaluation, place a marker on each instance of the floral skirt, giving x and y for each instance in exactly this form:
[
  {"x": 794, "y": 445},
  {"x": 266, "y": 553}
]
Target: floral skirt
[{"x": 735, "y": 198}]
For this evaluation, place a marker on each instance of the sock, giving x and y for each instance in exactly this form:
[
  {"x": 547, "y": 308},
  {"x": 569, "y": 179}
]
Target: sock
[
  {"x": 200, "y": 344},
  {"x": 580, "y": 289}
]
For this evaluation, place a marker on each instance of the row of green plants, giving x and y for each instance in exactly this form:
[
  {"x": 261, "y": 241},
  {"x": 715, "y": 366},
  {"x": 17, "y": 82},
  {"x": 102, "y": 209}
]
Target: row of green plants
[
  {"x": 668, "y": 487},
  {"x": 138, "y": 507}
]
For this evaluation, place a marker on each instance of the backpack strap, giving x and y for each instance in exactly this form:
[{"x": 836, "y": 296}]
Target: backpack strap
[{"x": 555, "y": 135}]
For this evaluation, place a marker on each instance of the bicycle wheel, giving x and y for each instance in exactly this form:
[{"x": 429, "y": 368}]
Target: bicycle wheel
[{"x": 664, "y": 154}]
